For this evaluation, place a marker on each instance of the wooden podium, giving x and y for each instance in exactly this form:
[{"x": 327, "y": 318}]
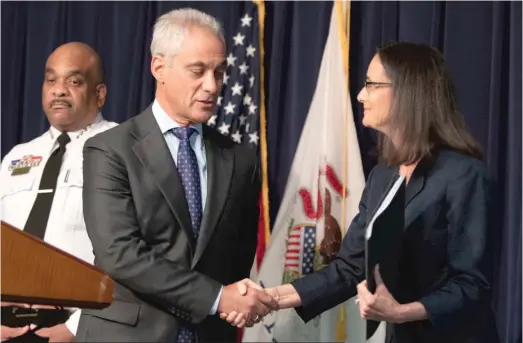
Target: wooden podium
[{"x": 34, "y": 272}]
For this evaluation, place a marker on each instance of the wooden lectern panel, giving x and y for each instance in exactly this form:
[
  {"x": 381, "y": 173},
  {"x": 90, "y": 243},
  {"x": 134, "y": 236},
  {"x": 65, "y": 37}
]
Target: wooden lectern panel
[{"x": 36, "y": 272}]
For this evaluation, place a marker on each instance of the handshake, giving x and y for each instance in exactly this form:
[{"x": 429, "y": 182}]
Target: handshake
[{"x": 245, "y": 303}]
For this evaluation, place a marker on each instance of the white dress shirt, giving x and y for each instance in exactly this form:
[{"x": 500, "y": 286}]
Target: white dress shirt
[{"x": 65, "y": 228}]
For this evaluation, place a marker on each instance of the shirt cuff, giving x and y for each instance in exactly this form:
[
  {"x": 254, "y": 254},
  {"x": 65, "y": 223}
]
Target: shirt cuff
[
  {"x": 216, "y": 302},
  {"x": 72, "y": 322}
]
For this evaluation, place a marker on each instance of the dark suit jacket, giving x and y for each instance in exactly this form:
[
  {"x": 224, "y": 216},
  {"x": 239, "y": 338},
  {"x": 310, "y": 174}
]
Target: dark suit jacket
[
  {"x": 447, "y": 257},
  {"x": 139, "y": 224}
]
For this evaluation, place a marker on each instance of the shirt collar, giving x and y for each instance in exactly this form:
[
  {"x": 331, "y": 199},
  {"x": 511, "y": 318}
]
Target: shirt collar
[
  {"x": 54, "y": 132},
  {"x": 167, "y": 123}
]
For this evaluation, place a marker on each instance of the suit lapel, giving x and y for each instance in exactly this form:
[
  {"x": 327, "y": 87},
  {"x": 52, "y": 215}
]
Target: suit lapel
[
  {"x": 416, "y": 185},
  {"x": 412, "y": 189},
  {"x": 153, "y": 153},
  {"x": 220, "y": 163}
]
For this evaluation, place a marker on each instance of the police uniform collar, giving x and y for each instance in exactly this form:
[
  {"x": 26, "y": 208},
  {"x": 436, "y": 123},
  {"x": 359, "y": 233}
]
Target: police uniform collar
[{"x": 54, "y": 132}]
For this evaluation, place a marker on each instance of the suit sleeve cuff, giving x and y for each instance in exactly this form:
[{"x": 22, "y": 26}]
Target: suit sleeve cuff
[
  {"x": 72, "y": 322},
  {"x": 440, "y": 316},
  {"x": 216, "y": 302}
]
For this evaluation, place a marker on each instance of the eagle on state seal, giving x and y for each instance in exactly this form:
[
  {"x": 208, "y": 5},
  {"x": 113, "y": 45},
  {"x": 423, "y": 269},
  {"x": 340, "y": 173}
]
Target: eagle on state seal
[{"x": 303, "y": 255}]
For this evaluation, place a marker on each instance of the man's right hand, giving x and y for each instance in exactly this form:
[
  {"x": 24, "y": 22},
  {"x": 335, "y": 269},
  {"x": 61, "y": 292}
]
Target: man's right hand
[
  {"x": 247, "y": 298},
  {"x": 9, "y": 333}
]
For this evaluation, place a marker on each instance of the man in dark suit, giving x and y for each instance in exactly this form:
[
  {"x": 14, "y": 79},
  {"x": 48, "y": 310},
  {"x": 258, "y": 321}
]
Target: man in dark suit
[{"x": 171, "y": 205}]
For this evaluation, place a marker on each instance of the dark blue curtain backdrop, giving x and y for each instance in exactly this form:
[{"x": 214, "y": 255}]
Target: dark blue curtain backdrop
[{"x": 481, "y": 41}]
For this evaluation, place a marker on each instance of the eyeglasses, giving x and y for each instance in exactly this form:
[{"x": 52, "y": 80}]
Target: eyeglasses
[{"x": 371, "y": 84}]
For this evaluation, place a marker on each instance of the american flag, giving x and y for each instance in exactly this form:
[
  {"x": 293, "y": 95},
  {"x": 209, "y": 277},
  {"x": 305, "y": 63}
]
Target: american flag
[
  {"x": 238, "y": 110},
  {"x": 299, "y": 256}
]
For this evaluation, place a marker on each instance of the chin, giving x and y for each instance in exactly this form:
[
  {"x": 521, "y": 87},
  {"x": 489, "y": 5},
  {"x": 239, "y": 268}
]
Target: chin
[
  {"x": 366, "y": 123},
  {"x": 372, "y": 124},
  {"x": 60, "y": 119},
  {"x": 201, "y": 117}
]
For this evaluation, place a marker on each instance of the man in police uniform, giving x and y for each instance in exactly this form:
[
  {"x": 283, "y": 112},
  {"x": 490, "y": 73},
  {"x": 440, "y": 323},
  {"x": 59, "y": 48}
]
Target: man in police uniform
[{"x": 42, "y": 180}]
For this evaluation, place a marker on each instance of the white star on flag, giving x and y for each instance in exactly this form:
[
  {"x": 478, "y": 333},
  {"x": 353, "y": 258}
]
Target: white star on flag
[
  {"x": 253, "y": 138},
  {"x": 251, "y": 50},
  {"x": 237, "y": 137},
  {"x": 238, "y": 39},
  {"x": 243, "y": 68},
  {"x": 231, "y": 59},
  {"x": 252, "y": 108},
  {"x": 229, "y": 109},
  {"x": 242, "y": 118},
  {"x": 212, "y": 120},
  {"x": 237, "y": 89},
  {"x": 251, "y": 81},
  {"x": 224, "y": 129},
  {"x": 246, "y": 20},
  {"x": 247, "y": 99}
]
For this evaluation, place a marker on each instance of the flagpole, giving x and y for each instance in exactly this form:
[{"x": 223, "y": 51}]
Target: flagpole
[
  {"x": 343, "y": 17},
  {"x": 263, "y": 124}
]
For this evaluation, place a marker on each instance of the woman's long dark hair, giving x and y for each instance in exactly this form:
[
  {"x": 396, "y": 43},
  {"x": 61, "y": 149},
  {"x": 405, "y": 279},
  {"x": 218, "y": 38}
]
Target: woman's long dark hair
[{"x": 424, "y": 114}]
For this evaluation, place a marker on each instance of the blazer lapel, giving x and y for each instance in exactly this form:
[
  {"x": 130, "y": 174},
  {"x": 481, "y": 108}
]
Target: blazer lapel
[
  {"x": 412, "y": 189},
  {"x": 220, "y": 163},
  {"x": 152, "y": 151},
  {"x": 415, "y": 186}
]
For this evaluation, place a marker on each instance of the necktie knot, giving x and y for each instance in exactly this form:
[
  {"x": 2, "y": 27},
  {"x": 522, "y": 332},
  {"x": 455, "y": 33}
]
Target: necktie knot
[
  {"x": 63, "y": 139},
  {"x": 184, "y": 133}
]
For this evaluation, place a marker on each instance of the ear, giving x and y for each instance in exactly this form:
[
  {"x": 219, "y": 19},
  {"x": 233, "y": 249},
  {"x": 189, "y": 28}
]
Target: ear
[
  {"x": 101, "y": 94},
  {"x": 158, "y": 66}
]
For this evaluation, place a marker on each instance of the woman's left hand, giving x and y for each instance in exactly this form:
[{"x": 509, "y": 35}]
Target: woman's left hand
[{"x": 380, "y": 306}]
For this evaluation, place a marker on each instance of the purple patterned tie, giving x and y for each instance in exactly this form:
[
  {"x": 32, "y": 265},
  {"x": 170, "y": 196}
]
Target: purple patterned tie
[{"x": 190, "y": 176}]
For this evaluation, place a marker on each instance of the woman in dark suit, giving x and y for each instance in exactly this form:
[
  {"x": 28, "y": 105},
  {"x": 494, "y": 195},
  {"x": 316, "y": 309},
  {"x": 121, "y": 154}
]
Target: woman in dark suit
[{"x": 446, "y": 267}]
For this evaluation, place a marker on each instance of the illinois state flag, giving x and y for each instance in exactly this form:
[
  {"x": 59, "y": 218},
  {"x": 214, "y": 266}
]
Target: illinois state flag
[{"x": 321, "y": 198}]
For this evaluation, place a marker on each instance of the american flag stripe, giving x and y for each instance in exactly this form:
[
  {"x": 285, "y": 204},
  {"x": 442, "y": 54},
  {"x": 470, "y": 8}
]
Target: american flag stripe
[
  {"x": 292, "y": 256},
  {"x": 299, "y": 256}
]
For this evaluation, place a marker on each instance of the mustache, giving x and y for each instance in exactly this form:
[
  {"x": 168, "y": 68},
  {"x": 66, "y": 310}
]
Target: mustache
[{"x": 60, "y": 102}]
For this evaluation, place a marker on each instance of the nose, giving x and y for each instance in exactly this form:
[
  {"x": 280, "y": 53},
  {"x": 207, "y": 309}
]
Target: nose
[
  {"x": 362, "y": 95},
  {"x": 59, "y": 90},
  {"x": 210, "y": 84}
]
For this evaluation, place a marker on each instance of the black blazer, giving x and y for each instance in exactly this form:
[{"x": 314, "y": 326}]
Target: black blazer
[
  {"x": 138, "y": 221},
  {"x": 447, "y": 258}
]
